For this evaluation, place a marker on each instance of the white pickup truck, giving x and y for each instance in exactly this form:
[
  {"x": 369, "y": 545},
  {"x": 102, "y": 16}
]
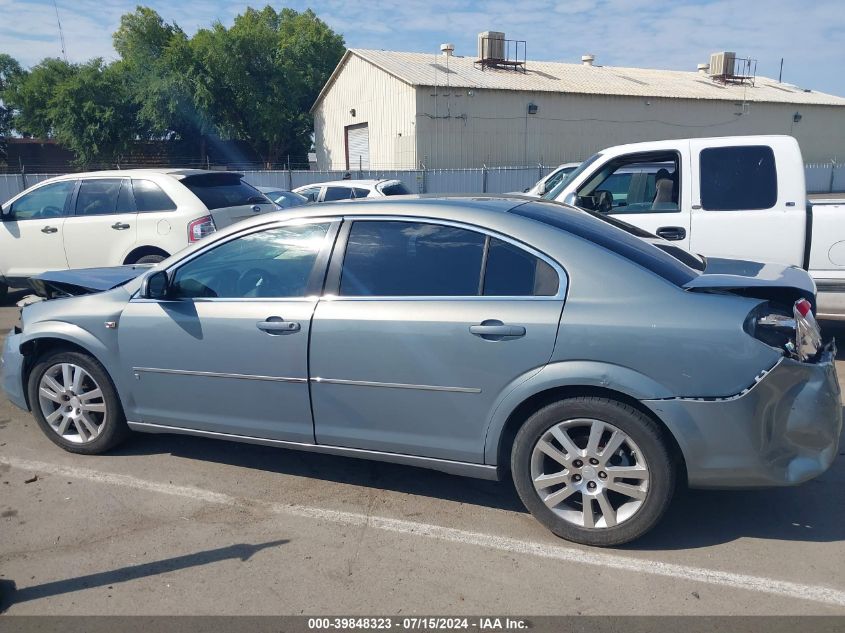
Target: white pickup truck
[{"x": 740, "y": 197}]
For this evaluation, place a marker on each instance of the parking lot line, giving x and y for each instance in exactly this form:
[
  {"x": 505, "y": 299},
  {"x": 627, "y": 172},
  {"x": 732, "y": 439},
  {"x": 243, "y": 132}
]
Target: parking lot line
[{"x": 759, "y": 584}]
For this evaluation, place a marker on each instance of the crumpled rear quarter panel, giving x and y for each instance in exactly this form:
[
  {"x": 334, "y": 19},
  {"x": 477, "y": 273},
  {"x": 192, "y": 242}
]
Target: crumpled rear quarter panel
[{"x": 783, "y": 431}]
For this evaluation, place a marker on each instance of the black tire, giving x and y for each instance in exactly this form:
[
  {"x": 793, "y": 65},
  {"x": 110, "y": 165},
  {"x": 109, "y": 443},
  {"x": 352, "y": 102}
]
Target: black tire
[
  {"x": 114, "y": 429},
  {"x": 642, "y": 430},
  {"x": 150, "y": 259}
]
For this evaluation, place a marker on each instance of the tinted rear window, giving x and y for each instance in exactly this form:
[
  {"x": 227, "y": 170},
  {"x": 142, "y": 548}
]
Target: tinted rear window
[
  {"x": 223, "y": 190},
  {"x": 395, "y": 189},
  {"x": 511, "y": 272},
  {"x": 612, "y": 235},
  {"x": 738, "y": 178},
  {"x": 150, "y": 197}
]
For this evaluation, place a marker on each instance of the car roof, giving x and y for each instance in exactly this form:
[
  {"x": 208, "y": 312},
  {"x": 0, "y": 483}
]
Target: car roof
[
  {"x": 176, "y": 173},
  {"x": 350, "y": 183}
]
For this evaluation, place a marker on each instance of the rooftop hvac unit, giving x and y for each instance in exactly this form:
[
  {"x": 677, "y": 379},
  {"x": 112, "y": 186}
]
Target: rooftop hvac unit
[
  {"x": 722, "y": 64},
  {"x": 491, "y": 45}
]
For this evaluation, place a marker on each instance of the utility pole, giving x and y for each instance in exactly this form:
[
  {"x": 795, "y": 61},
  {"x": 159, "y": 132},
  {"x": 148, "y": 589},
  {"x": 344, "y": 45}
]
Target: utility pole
[
  {"x": 780, "y": 74},
  {"x": 61, "y": 33}
]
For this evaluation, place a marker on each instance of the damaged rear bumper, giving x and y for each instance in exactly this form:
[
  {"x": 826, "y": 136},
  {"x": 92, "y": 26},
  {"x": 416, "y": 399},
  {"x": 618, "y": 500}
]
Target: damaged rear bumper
[{"x": 783, "y": 431}]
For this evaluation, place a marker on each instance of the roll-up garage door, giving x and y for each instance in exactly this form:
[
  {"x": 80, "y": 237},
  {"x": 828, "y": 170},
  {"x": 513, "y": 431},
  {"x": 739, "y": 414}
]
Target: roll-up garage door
[{"x": 358, "y": 146}]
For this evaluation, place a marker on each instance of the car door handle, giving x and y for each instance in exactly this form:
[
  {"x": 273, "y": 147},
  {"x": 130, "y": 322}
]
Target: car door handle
[
  {"x": 277, "y": 325},
  {"x": 49, "y": 229},
  {"x": 493, "y": 330},
  {"x": 120, "y": 226},
  {"x": 672, "y": 233}
]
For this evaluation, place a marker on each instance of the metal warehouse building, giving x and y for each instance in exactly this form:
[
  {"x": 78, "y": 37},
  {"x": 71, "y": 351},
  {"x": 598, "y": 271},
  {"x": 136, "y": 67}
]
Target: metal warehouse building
[{"x": 383, "y": 109}]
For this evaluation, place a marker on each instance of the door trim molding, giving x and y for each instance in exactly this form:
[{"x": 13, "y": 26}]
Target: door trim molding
[
  {"x": 465, "y": 469},
  {"x": 394, "y": 385},
  {"x": 214, "y": 374}
]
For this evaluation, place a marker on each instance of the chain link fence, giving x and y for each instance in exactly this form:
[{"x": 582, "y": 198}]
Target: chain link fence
[{"x": 824, "y": 178}]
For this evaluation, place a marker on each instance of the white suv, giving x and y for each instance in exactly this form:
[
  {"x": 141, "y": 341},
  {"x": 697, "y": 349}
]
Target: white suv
[
  {"x": 109, "y": 218},
  {"x": 351, "y": 189}
]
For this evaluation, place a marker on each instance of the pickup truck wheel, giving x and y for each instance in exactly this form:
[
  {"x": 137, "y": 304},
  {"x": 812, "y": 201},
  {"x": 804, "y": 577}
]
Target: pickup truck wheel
[
  {"x": 150, "y": 259},
  {"x": 593, "y": 470},
  {"x": 75, "y": 404}
]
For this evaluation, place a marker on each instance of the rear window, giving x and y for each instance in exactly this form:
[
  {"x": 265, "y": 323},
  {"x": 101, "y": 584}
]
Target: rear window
[
  {"x": 394, "y": 189},
  {"x": 150, "y": 197},
  {"x": 223, "y": 190},
  {"x": 613, "y": 235},
  {"x": 738, "y": 178}
]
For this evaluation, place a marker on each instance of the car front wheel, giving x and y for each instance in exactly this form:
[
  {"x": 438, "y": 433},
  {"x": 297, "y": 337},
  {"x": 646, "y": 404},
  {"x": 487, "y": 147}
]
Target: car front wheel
[
  {"x": 593, "y": 470},
  {"x": 75, "y": 404}
]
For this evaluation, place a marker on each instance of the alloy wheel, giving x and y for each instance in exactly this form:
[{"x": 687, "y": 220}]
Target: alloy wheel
[
  {"x": 72, "y": 403},
  {"x": 590, "y": 473}
]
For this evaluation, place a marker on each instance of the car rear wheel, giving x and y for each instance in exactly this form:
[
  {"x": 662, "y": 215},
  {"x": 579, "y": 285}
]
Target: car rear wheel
[
  {"x": 75, "y": 404},
  {"x": 593, "y": 470},
  {"x": 150, "y": 259}
]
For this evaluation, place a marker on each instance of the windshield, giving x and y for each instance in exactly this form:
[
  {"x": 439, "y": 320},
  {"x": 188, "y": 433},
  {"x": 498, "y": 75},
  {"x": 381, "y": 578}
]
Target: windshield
[
  {"x": 223, "y": 190},
  {"x": 553, "y": 193}
]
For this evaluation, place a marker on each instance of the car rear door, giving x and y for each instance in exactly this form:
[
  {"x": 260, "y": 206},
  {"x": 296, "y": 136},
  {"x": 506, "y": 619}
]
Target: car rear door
[
  {"x": 227, "y": 197},
  {"x": 227, "y": 351},
  {"x": 102, "y": 228},
  {"x": 748, "y": 200},
  {"x": 414, "y": 345}
]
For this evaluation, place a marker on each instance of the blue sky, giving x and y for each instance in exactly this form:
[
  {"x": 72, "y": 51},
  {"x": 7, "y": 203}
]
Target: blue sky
[{"x": 810, "y": 35}]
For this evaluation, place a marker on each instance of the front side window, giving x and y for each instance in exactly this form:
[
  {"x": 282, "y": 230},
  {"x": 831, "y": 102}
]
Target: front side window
[
  {"x": 338, "y": 193},
  {"x": 411, "y": 259},
  {"x": 43, "y": 203},
  {"x": 738, "y": 178},
  {"x": 102, "y": 196},
  {"x": 150, "y": 197},
  {"x": 635, "y": 184},
  {"x": 275, "y": 263}
]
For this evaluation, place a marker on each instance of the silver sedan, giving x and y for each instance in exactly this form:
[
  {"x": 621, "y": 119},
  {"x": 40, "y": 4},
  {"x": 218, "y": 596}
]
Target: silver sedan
[{"x": 597, "y": 366}]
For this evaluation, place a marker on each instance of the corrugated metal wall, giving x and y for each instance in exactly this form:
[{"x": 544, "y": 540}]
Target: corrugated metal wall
[
  {"x": 444, "y": 127},
  {"x": 386, "y": 104}
]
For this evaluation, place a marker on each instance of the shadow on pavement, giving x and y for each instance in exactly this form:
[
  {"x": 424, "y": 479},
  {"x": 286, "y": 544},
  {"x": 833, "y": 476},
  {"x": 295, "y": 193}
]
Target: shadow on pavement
[
  {"x": 10, "y": 595},
  {"x": 346, "y": 470}
]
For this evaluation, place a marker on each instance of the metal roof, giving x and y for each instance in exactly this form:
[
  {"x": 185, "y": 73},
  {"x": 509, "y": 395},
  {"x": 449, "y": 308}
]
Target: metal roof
[{"x": 428, "y": 69}]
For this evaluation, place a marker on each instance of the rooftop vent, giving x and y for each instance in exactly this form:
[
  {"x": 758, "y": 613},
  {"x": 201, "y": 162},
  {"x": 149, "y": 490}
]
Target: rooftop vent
[
  {"x": 491, "y": 45},
  {"x": 494, "y": 51},
  {"x": 588, "y": 59},
  {"x": 727, "y": 68},
  {"x": 448, "y": 49}
]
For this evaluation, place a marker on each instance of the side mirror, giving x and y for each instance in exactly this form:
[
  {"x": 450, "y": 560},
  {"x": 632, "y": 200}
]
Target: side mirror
[
  {"x": 6, "y": 212},
  {"x": 155, "y": 286}
]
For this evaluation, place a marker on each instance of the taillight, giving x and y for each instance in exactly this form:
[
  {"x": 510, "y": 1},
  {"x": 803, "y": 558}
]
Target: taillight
[
  {"x": 798, "y": 334},
  {"x": 200, "y": 227}
]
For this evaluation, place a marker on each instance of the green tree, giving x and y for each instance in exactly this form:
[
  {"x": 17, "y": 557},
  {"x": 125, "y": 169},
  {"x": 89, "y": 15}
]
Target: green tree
[
  {"x": 161, "y": 72},
  {"x": 10, "y": 70},
  {"x": 260, "y": 77},
  {"x": 31, "y": 96}
]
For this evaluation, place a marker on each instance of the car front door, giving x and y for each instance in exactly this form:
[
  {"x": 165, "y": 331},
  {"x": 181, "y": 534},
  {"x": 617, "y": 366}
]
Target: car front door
[
  {"x": 102, "y": 227},
  {"x": 227, "y": 352},
  {"x": 31, "y": 240},
  {"x": 421, "y": 338},
  {"x": 647, "y": 190}
]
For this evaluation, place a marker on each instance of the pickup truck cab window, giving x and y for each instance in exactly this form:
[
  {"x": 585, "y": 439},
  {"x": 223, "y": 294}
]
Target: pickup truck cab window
[
  {"x": 638, "y": 183},
  {"x": 738, "y": 178},
  {"x": 45, "y": 202}
]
